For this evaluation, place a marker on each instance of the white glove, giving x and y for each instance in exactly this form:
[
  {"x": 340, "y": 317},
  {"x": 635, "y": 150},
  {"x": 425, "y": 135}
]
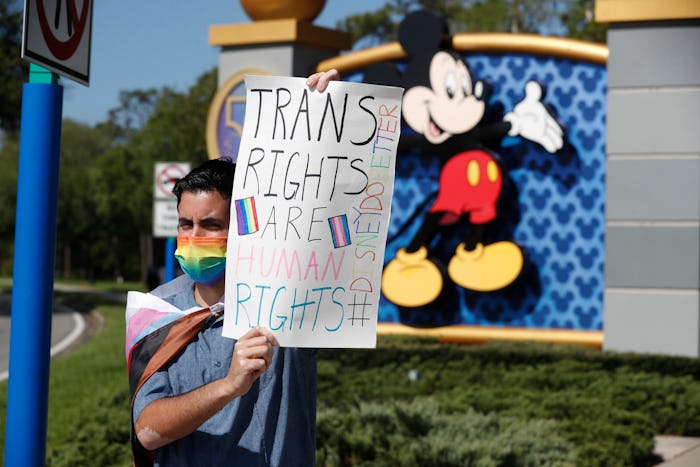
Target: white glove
[{"x": 531, "y": 120}]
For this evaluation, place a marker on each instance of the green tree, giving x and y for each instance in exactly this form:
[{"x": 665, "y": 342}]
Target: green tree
[
  {"x": 175, "y": 131},
  {"x": 570, "y": 18},
  {"x": 105, "y": 196},
  {"x": 150, "y": 126},
  {"x": 580, "y": 23},
  {"x": 134, "y": 110},
  {"x": 120, "y": 205},
  {"x": 177, "y": 127},
  {"x": 13, "y": 70},
  {"x": 81, "y": 146},
  {"x": 9, "y": 151},
  {"x": 106, "y": 172}
]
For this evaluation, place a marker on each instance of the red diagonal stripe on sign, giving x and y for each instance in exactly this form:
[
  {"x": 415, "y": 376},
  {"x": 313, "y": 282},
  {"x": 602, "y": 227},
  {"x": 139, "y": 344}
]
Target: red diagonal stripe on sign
[{"x": 63, "y": 50}]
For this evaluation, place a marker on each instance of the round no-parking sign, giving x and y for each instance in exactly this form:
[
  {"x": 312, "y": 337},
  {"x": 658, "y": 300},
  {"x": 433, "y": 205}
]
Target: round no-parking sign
[
  {"x": 166, "y": 175},
  {"x": 164, "y": 201},
  {"x": 57, "y": 35}
]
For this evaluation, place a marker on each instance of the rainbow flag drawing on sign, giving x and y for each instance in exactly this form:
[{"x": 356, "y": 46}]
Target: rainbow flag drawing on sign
[
  {"x": 339, "y": 230},
  {"x": 247, "y": 216}
]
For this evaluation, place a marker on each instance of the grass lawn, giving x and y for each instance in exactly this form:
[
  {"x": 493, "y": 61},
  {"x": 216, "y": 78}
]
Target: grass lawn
[
  {"x": 88, "y": 418},
  {"x": 413, "y": 402}
]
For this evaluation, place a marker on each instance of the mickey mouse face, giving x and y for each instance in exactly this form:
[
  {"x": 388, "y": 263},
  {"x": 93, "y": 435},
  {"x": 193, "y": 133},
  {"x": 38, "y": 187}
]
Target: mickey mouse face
[{"x": 450, "y": 106}]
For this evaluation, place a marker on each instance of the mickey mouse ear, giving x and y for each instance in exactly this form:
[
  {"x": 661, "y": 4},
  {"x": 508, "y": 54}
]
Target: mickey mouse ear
[
  {"x": 382, "y": 73},
  {"x": 421, "y": 32}
]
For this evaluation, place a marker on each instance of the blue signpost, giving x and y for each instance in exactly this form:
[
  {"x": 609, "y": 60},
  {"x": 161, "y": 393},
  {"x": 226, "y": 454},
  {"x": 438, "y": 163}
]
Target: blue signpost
[
  {"x": 55, "y": 41},
  {"x": 32, "y": 285},
  {"x": 170, "y": 245}
]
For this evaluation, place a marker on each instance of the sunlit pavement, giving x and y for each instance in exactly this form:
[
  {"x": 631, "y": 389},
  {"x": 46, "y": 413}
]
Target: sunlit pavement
[{"x": 678, "y": 451}]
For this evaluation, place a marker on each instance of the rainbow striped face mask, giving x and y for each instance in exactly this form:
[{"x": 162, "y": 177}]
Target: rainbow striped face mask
[{"x": 202, "y": 258}]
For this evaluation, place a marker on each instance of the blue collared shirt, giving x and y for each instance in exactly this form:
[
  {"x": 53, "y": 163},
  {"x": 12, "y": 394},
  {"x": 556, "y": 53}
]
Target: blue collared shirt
[{"x": 273, "y": 424}]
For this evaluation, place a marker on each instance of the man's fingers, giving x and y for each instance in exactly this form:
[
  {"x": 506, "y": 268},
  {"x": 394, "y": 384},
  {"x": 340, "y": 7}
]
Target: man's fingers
[
  {"x": 260, "y": 332},
  {"x": 312, "y": 80},
  {"x": 253, "y": 366},
  {"x": 253, "y": 350},
  {"x": 326, "y": 78},
  {"x": 270, "y": 337},
  {"x": 256, "y": 345},
  {"x": 320, "y": 80}
]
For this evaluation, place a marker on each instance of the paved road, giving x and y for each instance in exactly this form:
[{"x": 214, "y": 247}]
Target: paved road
[
  {"x": 678, "y": 451},
  {"x": 66, "y": 325}
]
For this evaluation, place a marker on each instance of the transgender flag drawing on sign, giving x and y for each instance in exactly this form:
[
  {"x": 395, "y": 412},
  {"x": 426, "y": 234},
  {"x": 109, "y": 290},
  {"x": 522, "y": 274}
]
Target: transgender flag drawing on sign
[
  {"x": 247, "y": 217},
  {"x": 339, "y": 230}
]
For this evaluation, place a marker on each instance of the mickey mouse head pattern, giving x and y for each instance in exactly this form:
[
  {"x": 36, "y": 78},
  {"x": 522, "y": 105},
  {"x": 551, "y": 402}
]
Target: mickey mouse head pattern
[{"x": 553, "y": 210}]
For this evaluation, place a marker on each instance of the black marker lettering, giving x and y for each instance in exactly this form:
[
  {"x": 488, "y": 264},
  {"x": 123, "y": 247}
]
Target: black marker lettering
[
  {"x": 276, "y": 152},
  {"x": 257, "y": 123},
  {"x": 329, "y": 103},
  {"x": 335, "y": 175},
  {"x": 303, "y": 108},
  {"x": 307, "y": 175},
  {"x": 279, "y": 113},
  {"x": 252, "y": 164},
  {"x": 374, "y": 125},
  {"x": 352, "y": 164},
  {"x": 294, "y": 184}
]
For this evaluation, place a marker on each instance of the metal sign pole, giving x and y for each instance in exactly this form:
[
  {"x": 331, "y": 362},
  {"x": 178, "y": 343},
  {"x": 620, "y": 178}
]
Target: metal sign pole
[
  {"x": 32, "y": 285},
  {"x": 170, "y": 259}
]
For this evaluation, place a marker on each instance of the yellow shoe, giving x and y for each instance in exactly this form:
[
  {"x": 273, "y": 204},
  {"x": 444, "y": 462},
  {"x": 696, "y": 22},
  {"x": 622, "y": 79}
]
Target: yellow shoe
[
  {"x": 411, "y": 279},
  {"x": 486, "y": 268}
]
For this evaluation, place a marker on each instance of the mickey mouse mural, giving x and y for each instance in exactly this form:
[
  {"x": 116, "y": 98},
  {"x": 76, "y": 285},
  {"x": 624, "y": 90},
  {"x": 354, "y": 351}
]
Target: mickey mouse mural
[{"x": 445, "y": 108}]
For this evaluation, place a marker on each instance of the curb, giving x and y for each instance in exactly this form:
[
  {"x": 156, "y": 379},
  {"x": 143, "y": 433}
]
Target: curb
[{"x": 70, "y": 339}]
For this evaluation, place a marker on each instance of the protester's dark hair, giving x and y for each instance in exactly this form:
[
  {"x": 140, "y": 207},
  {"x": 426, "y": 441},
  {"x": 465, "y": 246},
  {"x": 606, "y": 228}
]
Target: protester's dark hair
[{"x": 212, "y": 175}]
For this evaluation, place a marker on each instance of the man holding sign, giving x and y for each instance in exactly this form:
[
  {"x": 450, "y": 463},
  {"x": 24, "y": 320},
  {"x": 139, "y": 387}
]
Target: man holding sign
[{"x": 199, "y": 398}]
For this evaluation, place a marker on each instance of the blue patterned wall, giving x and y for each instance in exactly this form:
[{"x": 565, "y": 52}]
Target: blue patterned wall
[{"x": 553, "y": 206}]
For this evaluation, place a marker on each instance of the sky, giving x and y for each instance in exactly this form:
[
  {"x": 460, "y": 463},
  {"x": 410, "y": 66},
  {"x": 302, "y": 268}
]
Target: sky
[{"x": 140, "y": 44}]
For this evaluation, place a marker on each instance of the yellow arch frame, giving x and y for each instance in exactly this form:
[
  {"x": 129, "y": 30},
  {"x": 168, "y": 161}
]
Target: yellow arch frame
[
  {"x": 482, "y": 42},
  {"x": 220, "y": 98}
]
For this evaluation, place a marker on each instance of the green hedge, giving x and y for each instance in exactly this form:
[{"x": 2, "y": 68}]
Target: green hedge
[
  {"x": 417, "y": 433},
  {"x": 417, "y": 402},
  {"x": 608, "y": 405}
]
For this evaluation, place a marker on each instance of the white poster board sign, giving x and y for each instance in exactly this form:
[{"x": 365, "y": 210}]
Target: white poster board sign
[{"x": 310, "y": 211}]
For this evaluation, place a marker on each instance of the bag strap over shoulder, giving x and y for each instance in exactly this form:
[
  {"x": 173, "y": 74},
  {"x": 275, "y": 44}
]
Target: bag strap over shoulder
[
  {"x": 179, "y": 334},
  {"x": 173, "y": 338}
]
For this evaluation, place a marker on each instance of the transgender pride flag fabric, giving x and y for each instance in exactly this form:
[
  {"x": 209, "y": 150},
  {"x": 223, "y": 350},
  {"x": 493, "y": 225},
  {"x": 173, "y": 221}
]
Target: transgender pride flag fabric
[{"x": 146, "y": 313}]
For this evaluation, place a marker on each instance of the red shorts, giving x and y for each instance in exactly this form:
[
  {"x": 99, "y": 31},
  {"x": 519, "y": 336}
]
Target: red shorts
[{"x": 470, "y": 182}]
